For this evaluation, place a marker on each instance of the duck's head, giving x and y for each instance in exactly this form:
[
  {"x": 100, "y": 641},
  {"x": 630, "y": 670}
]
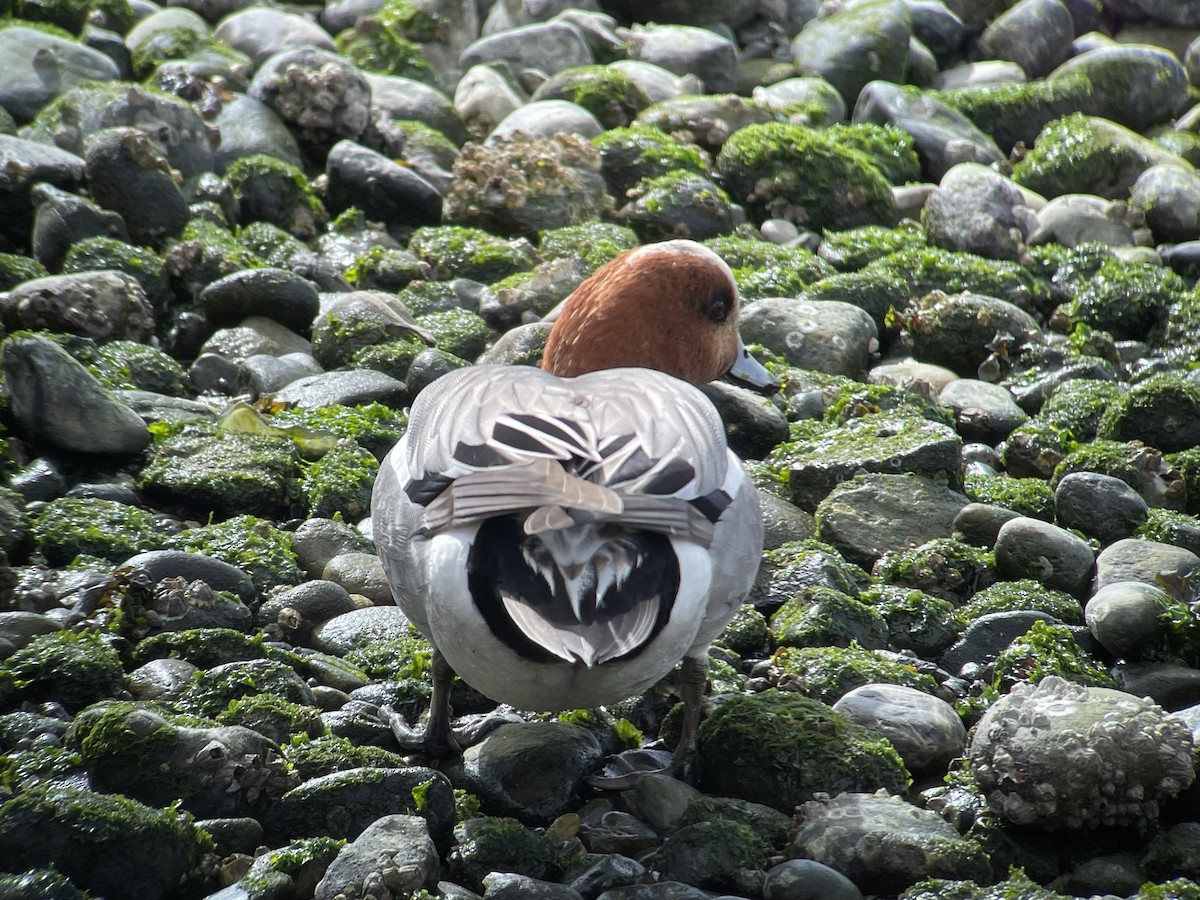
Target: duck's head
[{"x": 671, "y": 306}]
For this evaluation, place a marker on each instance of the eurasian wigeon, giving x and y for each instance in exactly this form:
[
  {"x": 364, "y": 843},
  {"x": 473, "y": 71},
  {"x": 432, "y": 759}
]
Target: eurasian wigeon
[{"x": 565, "y": 536}]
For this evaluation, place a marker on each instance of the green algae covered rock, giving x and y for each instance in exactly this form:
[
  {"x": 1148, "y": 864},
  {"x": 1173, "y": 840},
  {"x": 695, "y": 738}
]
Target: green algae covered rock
[
  {"x": 1080, "y": 154},
  {"x": 71, "y": 526},
  {"x": 803, "y": 175},
  {"x": 106, "y": 844},
  {"x": 76, "y": 670},
  {"x": 780, "y": 749}
]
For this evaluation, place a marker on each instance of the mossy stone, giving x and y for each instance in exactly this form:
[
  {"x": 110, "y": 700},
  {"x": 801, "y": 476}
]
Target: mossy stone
[
  {"x": 824, "y": 617},
  {"x": 828, "y": 673},
  {"x": 781, "y": 749},
  {"x": 75, "y": 670},
  {"x": 70, "y": 526}
]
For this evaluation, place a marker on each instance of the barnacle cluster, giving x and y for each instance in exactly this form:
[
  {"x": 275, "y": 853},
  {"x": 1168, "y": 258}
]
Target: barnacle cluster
[{"x": 1060, "y": 756}]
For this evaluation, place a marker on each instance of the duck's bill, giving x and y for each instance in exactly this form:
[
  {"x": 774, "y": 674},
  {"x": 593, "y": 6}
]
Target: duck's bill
[{"x": 748, "y": 369}]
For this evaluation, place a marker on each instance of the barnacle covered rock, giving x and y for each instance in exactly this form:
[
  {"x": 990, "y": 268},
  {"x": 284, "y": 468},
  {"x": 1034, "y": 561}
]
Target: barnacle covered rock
[{"x": 1061, "y": 756}]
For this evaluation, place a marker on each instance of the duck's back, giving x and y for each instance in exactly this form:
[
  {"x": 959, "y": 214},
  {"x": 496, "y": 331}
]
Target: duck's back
[{"x": 490, "y": 443}]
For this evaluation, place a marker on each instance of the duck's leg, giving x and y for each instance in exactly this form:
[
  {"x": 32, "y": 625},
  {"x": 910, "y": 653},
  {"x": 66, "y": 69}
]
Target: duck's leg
[
  {"x": 693, "y": 680},
  {"x": 436, "y": 739},
  {"x": 439, "y": 741}
]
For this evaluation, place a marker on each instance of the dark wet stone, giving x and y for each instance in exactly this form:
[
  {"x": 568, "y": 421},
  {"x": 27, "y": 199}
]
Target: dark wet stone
[
  {"x": 807, "y": 879},
  {"x": 260, "y": 33},
  {"x": 161, "y": 679},
  {"x": 127, "y": 174},
  {"x": 1030, "y": 548},
  {"x": 250, "y": 127},
  {"x": 834, "y": 47},
  {"x": 381, "y": 188},
  {"x": 533, "y": 772},
  {"x": 974, "y": 209},
  {"x": 104, "y": 306},
  {"x": 751, "y": 426},
  {"x": 905, "y": 511},
  {"x": 982, "y": 412},
  {"x": 345, "y": 388},
  {"x": 884, "y": 844},
  {"x": 684, "y": 50},
  {"x": 1127, "y": 616},
  {"x": 55, "y": 399},
  {"x": 403, "y": 99},
  {"x": 300, "y": 608},
  {"x": 944, "y": 138},
  {"x": 545, "y": 119},
  {"x": 826, "y": 335},
  {"x": 263, "y": 374},
  {"x": 316, "y": 541},
  {"x": 108, "y": 845},
  {"x": 39, "y": 66},
  {"x": 63, "y": 219},
  {"x": 256, "y": 334},
  {"x": 216, "y": 573},
  {"x": 349, "y": 630},
  {"x": 344, "y": 804},
  {"x": 276, "y": 293},
  {"x": 1137, "y": 86},
  {"x": 1100, "y": 506},
  {"x": 548, "y": 46},
  {"x": 27, "y": 163},
  {"x": 233, "y": 835},
  {"x": 988, "y": 636},
  {"x": 1035, "y": 34},
  {"x": 925, "y": 730},
  {"x": 980, "y": 523}
]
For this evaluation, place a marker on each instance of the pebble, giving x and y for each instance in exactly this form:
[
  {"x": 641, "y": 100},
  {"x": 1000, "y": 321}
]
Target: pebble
[
  {"x": 381, "y": 188},
  {"x": 55, "y": 398},
  {"x": 686, "y": 50},
  {"x": 975, "y": 209},
  {"x": 828, "y": 336},
  {"x": 394, "y": 849},
  {"x": 1035, "y": 34},
  {"x": 1100, "y": 506},
  {"x": 104, "y": 306},
  {"x": 1149, "y": 562},
  {"x": 38, "y": 66},
  {"x": 925, "y": 730},
  {"x": 127, "y": 174},
  {"x": 982, "y": 412},
  {"x": 261, "y": 33},
  {"x": 1031, "y": 548}
]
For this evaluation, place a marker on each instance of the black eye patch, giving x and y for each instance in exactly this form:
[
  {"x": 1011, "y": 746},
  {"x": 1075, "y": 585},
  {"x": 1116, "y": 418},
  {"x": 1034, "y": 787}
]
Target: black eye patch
[{"x": 718, "y": 305}]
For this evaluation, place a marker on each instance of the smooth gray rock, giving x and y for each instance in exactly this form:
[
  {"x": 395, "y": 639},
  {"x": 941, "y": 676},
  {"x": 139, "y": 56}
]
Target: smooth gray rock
[
  {"x": 837, "y": 47},
  {"x": 1170, "y": 197},
  {"x": 1031, "y": 548},
  {"x": 353, "y": 629},
  {"x": 807, "y": 879},
  {"x": 686, "y": 50},
  {"x": 925, "y": 730},
  {"x": 247, "y": 127},
  {"x": 1125, "y": 616},
  {"x": 55, "y": 399},
  {"x": 1100, "y": 506},
  {"x": 262, "y": 32},
  {"x": 384, "y": 190},
  {"x": 26, "y": 163},
  {"x": 1035, "y": 34},
  {"x": 1134, "y": 559},
  {"x": 347, "y": 388},
  {"x": 103, "y": 305},
  {"x": 39, "y": 66},
  {"x": 975, "y": 209},
  {"x": 828, "y": 336},
  {"x": 279, "y": 294},
  {"x": 63, "y": 219},
  {"x": 982, "y": 411},
  {"x": 544, "y": 119},
  {"x": 127, "y": 174},
  {"x": 547, "y": 46}
]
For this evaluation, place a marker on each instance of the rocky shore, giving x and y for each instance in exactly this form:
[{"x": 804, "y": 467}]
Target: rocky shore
[{"x": 236, "y": 240}]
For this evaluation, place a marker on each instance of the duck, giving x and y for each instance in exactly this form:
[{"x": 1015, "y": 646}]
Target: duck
[{"x": 566, "y": 536}]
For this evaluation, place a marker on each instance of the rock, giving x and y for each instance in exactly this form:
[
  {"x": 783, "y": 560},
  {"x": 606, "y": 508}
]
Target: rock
[
  {"x": 1100, "y": 506},
  {"x": 56, "y": 400},
  {"x": 1127, "y": 616},
  {"x": 261, "y": 33},
  {"x": 944, "y": 138},
  {"x": 278, "y": 294},
  {"x": 345, "y": 388},
  {"x": 360, "y": 573},
  {"x": 127, "y": 174},
  {"x": 1073, "y": 219},
  {"x": 982, "y": 412},
  {"x": 749, "y": 728},
  {"x": 63, "y": 219},
  {"x": 1138, "y": 756},
  {"x": 834, "y": 47},
  {"x": 353, "y": 629},
  {"x": 547, "y": 46},
  {"x": 1030, "y": 548},
  {"x": 884, "y": 844},
  {"x": 828, "y": 336},
  {"x": 925, "y": 730},
  {"x": 1035, "y": 34},
  {"x": 38, "y": 66},
  {"x": 974, "y": 209},
  {"x": 301, "y": 608},
  {"x": 545, "y": 119},
  {"x": 395, "y": 847},
  {"x": 104, "y": 306},
  {"x": 687, "y": 50},
  {"x": 989, "y": 636},
  {"x": 752, "y": 428},
  {"x": 321, "y": 96},
  {"x": 904, "y": 511},
  {"x": 807, "y": 879},
  {"x": 27, "y": 163},
  {"x": 106, "y": 844},
  {"x": 344, "y": 804},
  {"x": 1170, "y": 197},
  {"x": 954, "y": 330},
  {"x": 717, "y": 855},
  {"x": 249, "y": 127},
  {"x": 1134, "y": 85},
  {"x": 1135, "y": 559},
  {"x": 533, "y": 772},
  {"x": 381, "y": 188}
]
